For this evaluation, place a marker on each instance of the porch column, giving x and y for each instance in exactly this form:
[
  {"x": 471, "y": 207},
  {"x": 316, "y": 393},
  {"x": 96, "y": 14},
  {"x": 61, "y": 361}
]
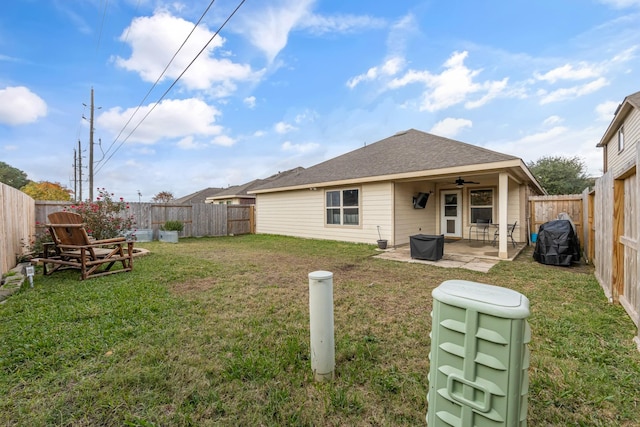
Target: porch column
[{"x": 503, "y": 202}]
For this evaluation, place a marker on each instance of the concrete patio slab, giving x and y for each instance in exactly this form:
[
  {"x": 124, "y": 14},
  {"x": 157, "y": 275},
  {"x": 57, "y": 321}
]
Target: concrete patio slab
[{"x": 472, "y": 255}]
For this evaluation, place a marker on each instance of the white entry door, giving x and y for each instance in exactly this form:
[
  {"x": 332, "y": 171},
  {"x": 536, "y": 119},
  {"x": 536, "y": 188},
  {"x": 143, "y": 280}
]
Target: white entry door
[{"x": 451, "y": 213}]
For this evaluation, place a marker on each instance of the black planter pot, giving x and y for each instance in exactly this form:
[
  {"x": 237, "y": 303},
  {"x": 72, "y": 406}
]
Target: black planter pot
[{"x": 382, "y": 244}]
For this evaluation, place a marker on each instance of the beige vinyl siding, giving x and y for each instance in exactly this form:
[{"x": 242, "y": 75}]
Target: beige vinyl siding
[
  {"x": 410, "y": 221},
  {"x": 514, "y": 211},
  {"x": 292, "y": 213},
  {"x": 301, "y": 213},
  {"x": 619, "y": 162}
]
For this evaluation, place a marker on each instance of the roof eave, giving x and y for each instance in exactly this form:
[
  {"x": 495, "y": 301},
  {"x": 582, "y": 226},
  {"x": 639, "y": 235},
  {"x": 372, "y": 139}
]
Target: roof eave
[
  {"x": 613, "y": 127},
  {"x": 408, "y": 175}
]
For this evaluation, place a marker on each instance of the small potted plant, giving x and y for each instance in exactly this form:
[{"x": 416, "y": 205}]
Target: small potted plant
[
  {"x": 169, "y": 231},
  {"x": 382, "y": 243}
]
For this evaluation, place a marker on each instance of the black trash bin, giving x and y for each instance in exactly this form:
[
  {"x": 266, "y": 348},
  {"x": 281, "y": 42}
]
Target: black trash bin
[{"x": 425, "y": 246}]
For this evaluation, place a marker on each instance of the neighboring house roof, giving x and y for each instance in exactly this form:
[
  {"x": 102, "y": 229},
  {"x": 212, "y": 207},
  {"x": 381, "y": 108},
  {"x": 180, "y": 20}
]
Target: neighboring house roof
[
  {"x": 402, "y": 153},
  {"x": 241, "y": 191},
  {"x": 630, "y": 103},
  {"x": 235, "y": 191},
  {"x": 198, "y": 196}
]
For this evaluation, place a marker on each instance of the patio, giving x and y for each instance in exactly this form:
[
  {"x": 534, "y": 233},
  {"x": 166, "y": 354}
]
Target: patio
[{"x": 470, "y": 254}]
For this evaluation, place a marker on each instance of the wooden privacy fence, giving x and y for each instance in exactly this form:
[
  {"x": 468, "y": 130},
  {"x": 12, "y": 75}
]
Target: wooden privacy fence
[
  {"x": 547, "y": 208},
  {"x": 17, "y": 225},
  {"x": 617, "y": 222},
  {"x": 201, "y": 219}
]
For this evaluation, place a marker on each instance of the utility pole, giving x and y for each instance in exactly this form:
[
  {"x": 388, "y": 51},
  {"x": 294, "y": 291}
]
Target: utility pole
[
  {"x": 80, "y": 170},
  {"x": 75, "y": 175},
  {"x": 91, "y": 149}
]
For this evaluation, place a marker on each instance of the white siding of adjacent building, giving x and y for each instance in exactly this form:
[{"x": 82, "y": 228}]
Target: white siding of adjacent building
[
  {"x": 301, "y": 213},
  {"x": 621, "y": 161}
]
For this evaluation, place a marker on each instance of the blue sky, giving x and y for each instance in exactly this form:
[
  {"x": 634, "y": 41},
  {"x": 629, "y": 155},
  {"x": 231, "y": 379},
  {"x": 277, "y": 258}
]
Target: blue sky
[{"x": 290, "y": 83}]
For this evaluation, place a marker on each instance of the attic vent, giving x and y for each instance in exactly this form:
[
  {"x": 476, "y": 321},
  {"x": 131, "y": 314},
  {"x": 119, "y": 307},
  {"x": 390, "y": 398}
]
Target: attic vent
[{"x": 402, "y": 132}]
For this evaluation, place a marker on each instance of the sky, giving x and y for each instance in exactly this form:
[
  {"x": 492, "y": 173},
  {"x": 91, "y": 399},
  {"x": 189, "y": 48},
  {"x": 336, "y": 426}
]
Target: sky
[{"x": 190, "y": 95}]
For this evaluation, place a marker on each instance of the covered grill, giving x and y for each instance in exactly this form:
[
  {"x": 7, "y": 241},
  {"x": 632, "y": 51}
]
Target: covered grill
[{"x": 557, "y": 243}]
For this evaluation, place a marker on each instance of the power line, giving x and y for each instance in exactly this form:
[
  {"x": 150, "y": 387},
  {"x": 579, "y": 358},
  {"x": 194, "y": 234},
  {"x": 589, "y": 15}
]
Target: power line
[
  {"x": 174, "y": 83},
  {"x": 104, "y": 16},
  {"x": 160, "y": 76}
]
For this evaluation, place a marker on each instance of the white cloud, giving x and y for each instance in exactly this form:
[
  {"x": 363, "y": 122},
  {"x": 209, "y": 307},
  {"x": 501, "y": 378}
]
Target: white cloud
[
  {"x": 170, "y": 119},
  {"x": 318, "y": 24},
  {"x": 568, "y": 72},
  {"x": 300, "y": 148},
  {"x": 621, "y": 4},
  {"x": 542, "y": 137},
  {"x": 224, "y": 140},
  {"x": 306, "y": 116},
  {"x": 389, "y": 68},
  {"x": 18, "y": 106},
  {"x": 450, "y": 127},
  {"x": 552, "y": 120},
  {"x": 453, "y": 86},
  {"x": 188, "y": 143},
  {"x": 282, "y": 128},
  {"x": 571, "y": 92},
  {"x": 606, "y": 110},
  {"x": 250, "y": 101},
  {"x": 401, "y": 32},
  {"x": 155, "y": 39},
  {"x": 268, "y": 28}
]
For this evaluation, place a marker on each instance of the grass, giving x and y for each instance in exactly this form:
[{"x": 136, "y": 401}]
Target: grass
[{"x": 214, "y": 331}]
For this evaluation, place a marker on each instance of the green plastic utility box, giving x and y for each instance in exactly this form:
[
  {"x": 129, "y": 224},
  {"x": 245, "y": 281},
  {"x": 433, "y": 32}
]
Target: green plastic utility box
[{"x": 479, "y": 356}]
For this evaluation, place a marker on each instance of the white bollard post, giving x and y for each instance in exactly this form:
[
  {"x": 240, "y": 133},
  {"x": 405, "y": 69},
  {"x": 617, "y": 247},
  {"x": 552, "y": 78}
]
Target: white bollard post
[{"x": 323, "y": 359}]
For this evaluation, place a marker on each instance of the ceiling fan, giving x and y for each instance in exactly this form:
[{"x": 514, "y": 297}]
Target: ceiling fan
[{"x": 460, "y": 182}]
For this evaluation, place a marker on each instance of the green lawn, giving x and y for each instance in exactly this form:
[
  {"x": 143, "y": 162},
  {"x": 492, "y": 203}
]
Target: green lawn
[{"x": 215, "y": 331}]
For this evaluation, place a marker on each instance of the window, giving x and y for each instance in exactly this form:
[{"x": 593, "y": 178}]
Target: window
[
  {"x": 343, "y": 207},
  {"x": 621, "y": 139},
  {"x": 481, "y": 205}
]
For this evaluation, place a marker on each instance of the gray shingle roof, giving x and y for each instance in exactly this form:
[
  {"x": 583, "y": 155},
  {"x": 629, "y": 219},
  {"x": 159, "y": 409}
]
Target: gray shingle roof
[
  {"x": 243, "y": 189},
  {"x": 634, "y": 99},
  {"x": 198, "y": 196},
  {"x": 409, "y": 151}
]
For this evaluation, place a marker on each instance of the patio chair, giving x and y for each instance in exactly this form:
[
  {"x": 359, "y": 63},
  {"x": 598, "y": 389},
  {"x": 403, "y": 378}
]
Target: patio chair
[
  {"x": 510, "y": 228},
  {"x": 73, "y": 248},
  {"x": 482, "y": 228}
]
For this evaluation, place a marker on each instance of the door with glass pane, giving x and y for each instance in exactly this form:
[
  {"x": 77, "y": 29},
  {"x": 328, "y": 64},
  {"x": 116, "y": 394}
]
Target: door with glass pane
[{"x": 451, "y": 213}]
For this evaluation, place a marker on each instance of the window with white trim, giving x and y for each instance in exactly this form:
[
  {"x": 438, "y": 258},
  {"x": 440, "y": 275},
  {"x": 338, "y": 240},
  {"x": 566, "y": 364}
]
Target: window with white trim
[
  {"x": 621, "y": 139},
  {"x": 480, "y": 205},
  {"x": 343, "y": 207}
]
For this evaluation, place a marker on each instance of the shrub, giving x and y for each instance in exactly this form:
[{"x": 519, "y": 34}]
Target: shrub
[
  {"x": 173, "y": 226},
  {"x": 105, "y": 218},
  {"x": 35, "y": 246}
]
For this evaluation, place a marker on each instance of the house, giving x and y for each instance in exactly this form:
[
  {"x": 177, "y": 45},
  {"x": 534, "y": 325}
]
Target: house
[
  {"x": 616, "y": 206},
  {"x": 381, "y": 188},
  {"x": 234, "y": 195},
  {"x": 198, "y": 196},
  {"x": 240, "y": 194}
]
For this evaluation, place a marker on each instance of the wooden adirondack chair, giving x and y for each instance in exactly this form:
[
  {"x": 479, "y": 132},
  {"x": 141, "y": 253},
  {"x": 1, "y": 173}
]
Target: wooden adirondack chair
[{"x": 73, "y": 248}]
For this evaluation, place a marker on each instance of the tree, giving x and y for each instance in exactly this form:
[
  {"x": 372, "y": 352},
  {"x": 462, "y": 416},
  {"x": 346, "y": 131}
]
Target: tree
[
  {"x": 163, "y": 197},
  {"x": 561, "y": 175},
  {"x": 13, "y": 177},
  {"x": 45, "y": 190}
]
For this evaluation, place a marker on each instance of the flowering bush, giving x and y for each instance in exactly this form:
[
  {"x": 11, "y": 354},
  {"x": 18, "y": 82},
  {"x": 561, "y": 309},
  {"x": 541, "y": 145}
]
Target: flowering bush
[
  {"x": 35, "y": 245},
  {"x": 105, "y": 218}
]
